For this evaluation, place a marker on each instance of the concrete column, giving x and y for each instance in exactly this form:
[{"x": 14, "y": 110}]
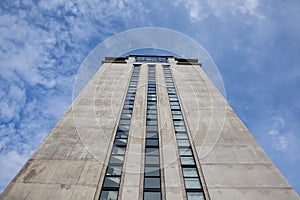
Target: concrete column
[
  {"x": 174, "y": 186},
  {"x": 132, "y": 182}
]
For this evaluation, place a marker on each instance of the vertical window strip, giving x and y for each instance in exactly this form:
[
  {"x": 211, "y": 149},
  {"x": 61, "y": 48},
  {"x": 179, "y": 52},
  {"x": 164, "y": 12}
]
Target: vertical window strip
[
  {"x": 152, "y": 173},
  {"x": 111, "y": 184},
  {"x": 192, "y": 183}
]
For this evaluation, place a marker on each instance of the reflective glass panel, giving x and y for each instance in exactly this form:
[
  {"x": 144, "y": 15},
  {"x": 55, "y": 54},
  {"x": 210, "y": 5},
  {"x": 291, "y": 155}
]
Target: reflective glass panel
[
  {"x": 109, "y": 195},
  {"x": 190, "y": 172},
  {"x": 152, "y": 171},
  {"x": 185, "y": 152},
  {"x": 152, "y": 182},
  {"x": 152, "y": 196},
  {"x": 195, "y": 196},
  {"x": 187, "y": 161},
  {"x": 111, "y": 182},
  {"x": 114, "y": 170},
  {"x": 192, "y": 183},
  {"x": 153, "y": 160},
  {"x": 116, "y": 159}
]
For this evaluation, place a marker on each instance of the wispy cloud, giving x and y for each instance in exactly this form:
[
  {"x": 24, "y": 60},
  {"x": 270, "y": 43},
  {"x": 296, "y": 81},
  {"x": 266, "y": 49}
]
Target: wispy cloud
[
  {"x": 42, "y": 44},
  {"x": 279, "y": 138},
  {"x": 201, "y": 9}
]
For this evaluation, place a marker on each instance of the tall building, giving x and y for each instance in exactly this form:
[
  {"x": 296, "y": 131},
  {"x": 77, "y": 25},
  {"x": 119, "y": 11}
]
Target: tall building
[{"x": 150, "y": 127}]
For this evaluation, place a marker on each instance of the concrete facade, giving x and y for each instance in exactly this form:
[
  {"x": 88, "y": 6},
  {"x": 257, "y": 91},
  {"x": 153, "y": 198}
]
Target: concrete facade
[{"x": 71, "y": 162}]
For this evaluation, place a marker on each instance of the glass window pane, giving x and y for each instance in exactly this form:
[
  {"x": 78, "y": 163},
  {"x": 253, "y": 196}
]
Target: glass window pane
[
  {"x": 111, "y": 182},
  {"x": 185, "y": 152},
  {"x": 126, "y": 116},
  {"x": 124, "y": 128},
  {"x": 152, "y": 112},
  {"x": 151, "y": 142},
  {"x": 124, "y": 121},
  {"x": 151, "y": 128},
  {"x": 120, "y": 142},
  {"x": 187, "y": 161},
  {"x": 153, "y": 160},
  {"x": 183, "y": 143},
  {"x": 175, "y": 107},
  {"x": 116, "y": 159},
  {"x": 151, "y": 96},
  {"x": 192, "y": 183},
  {"x": 195, "y": 196},
  {"x": 179, "y": 123},
  {"x": 109, "y": 195},
  {"x": 190, "y": 172},
  {"x": 179, "y": 117},
  {"x": 152, "y": 196},
  {"x": 128, "y": 106},
  {"x": 127, "y": 111},
  {"x": 151, "y": 92},
  {"x": 152, "y": 122},
  {"x": 114, "y": 170},
  {"x": 152, "y": 151},
  {"x": 151, "y": 103},
  {"x": 152, "y": 171},
  {"x": 180, "y": 129},
  {"x": 176, "y": 112},
  {"x": 121, "y": 135},
  {"x": 128, "y": 102},
  {"x": 152, "y": 117},
  {"x": 182, "y": 136},
  {"x": 151, "y": 135},
  {"x": 152, "y": 183},
  {"x": 118, "y": 150}
]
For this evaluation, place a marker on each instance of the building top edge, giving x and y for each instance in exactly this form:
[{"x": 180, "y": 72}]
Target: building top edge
[{"x": 152, "y": 59}]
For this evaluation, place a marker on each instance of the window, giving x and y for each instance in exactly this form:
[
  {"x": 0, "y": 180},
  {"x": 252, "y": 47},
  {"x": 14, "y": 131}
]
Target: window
[
  {"x": 153, "y": 59},
  {"x": 190, "y": 172},
  {"x": 183, "y": 143},
  {"x": 111, "y": 182},
  {"x": 113, "y": 174},
  {"x": 151, "y": 135},
  {"x": 114, "y": 170},
  {"x": 116, "y": 159},
  {"x": 188, "y": 165},
  {"x": 152, "y": 160},
  {"x": 185, "y": 152},
  {"x": 152, "y": 151},
  {"x": 152, "y": 142},
  {"x": 192, "y": 183},
  {"x": 195, "y": 196},
  {"x": 109, "y": 195},
  {"x": 152, "y": 195},
  {"x": 187, "y": 161},
  {"x": 152, "y": 182}
]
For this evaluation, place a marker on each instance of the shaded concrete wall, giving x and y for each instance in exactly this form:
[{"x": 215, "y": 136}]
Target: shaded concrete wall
[
  {"x": 234, "y": 165},
  {"x": 69, "y": 164}
]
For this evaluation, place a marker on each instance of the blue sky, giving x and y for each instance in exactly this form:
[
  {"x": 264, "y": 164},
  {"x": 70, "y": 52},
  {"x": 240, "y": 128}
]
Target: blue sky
[{"x": 255, "y": 44}]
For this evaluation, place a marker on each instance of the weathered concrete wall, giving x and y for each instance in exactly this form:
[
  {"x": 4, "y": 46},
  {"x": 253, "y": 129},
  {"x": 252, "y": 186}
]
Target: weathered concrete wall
[
  {"x": 233, "y": 163},
  {"x": 69, "y": 162}
]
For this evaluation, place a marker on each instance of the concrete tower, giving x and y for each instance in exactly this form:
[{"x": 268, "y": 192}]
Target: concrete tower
[{"x": 149, "y": 127}]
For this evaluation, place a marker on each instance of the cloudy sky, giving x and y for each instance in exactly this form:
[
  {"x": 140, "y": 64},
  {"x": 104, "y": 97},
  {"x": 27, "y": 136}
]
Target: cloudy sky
[{"x": 255, "y": 44}]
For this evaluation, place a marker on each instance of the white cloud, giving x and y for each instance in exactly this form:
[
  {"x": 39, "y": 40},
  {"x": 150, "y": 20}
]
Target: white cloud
[
  {"x": 280, "y": 138},
  {"x": 41, "y": 47},
  {"x": 200, "y": 9},
  {"x": 195, "y": 9},
  {"x": 10, "y": 163},
  {"x": 250, "y": 7}
]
